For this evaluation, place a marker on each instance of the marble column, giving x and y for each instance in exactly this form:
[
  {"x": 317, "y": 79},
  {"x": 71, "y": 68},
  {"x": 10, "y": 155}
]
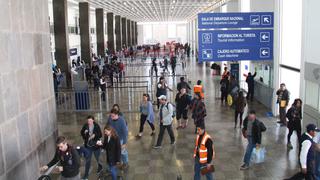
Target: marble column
[
  {"x": 100, "y": 31},
  {"x": 61, "y": 37},
  {"x": 110, "y": 29},
  {"x": 118, "y": 32},
  {"x": 132, "y": 33},
  {"x": 124, "y": 31},
  {"x": 84, "y": 16},
  {"x": 129, "y": 32},
  {"x": 136, "y": 33}
]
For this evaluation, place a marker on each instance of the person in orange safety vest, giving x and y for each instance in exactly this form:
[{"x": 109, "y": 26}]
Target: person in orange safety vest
[
  {"x": 199, "y": 89},
  {"x": 203, "y": 153}
]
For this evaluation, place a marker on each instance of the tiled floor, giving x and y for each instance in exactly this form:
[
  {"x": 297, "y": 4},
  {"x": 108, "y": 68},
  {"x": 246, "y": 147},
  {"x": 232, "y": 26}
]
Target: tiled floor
[{"x": 170, "y": 161}]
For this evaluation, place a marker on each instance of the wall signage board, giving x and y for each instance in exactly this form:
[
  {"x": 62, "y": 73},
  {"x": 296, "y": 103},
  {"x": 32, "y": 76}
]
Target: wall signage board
[
  {"x": 217, "y": 42},
  {"x": 229, "y": 45},
  {"x": 235, "y": 20}
]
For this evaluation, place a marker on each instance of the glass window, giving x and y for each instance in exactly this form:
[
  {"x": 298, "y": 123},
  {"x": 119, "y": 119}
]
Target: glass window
[
  {"x": 245, "y": 5},
  {"x": 172, "y": 30},
  {"x": 147, "y": 32},
  {"x": 312, "y": 94},
  {"x": 291, "y": 26},
  {"x": 292, "y": 81}
]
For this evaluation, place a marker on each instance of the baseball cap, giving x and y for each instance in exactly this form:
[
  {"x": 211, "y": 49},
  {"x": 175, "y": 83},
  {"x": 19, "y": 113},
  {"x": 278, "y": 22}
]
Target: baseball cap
[
  {"x": 312, "y": 127},
  {"x": 162, "y": 97}
]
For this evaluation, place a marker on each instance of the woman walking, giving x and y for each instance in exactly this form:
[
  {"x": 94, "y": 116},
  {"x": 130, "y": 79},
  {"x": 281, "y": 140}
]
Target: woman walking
[
  {"x": 111, "y": 145},
  {"x": 240, "y": 104},
  {"x": 294, "y": 124},
  {"x": 147, "y": 114}
]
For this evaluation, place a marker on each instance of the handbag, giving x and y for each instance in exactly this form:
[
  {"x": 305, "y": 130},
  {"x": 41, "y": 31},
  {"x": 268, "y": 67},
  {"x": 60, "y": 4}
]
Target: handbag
[
  {"x": 205, "y": 170},
  {"x": 258, "y": 155},
  {"x": 283, "y": 103}
]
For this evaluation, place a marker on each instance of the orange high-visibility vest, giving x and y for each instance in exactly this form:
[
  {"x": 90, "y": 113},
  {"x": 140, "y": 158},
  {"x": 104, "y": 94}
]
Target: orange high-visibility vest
[
  {"x": 198, "y": 89},
  {"x": 203, "y": 151}
]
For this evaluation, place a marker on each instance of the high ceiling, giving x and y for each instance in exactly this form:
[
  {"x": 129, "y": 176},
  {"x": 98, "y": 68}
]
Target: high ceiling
[{"x": 154, "y": 10}]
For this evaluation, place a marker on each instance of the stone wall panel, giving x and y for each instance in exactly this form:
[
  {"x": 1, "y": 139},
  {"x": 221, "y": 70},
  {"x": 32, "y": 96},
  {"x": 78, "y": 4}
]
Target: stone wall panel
[
  {"x": 24, "y": 134},
  {"x": 10, "y": 144}
]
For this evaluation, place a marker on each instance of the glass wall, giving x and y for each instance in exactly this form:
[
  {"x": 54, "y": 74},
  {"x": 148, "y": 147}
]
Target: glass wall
[
  {"x": 292, "y": 80},
  {"x": 312, "y": 95}
]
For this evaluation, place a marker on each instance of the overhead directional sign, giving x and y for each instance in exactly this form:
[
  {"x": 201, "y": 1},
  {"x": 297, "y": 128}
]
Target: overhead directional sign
[
  {"x": 236, "y": 37},
  {"x": 230, "y": 45},
  {"x": 235, "y": 20},
  {"x": 235, "y": 53}
]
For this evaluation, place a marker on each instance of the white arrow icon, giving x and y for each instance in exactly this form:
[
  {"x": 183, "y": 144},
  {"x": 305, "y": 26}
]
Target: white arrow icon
[
  {"x": 264, "y": 52},
  {"x": 264, "y": 37},
  {"x": 266, "y": 19}
]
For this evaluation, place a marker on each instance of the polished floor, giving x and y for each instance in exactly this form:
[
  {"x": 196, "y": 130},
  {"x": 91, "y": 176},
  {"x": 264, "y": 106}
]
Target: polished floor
[{"x": 167, "y": 163}]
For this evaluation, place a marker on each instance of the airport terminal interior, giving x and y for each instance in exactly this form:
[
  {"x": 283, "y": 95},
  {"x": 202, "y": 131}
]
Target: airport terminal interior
[{"x": 159, "y": 89}]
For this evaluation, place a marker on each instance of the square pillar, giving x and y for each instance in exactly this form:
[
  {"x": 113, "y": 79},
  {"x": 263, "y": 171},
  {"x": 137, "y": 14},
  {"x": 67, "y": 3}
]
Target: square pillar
[
  {"x": 110, "y": 29},
  {"x": 129, "y": 32},
  {"x": 61, "y": 38},
  {"x": 136, "y": 33},
  {"x": 100, "y": 32},
  {"x": 118, "y": 32},
  {"x": 132, "y": 33},
  {"x": 84, "y": 18},
  {"x": 124, "y": 31}
]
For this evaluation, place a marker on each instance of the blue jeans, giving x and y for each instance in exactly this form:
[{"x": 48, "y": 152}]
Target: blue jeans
[
  {"x": 124, "y": 154},
  {"x": 249, "y": 150},
  {"x": 197, "y": 169},
  {"x": 113, "y": 171},
  {"x": 88, "y": 155}
]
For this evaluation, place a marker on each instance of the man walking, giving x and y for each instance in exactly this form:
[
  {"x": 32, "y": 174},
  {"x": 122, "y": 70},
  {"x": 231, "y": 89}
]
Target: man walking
[
  {"x": 283, "y": 101},
  {"x": 182, "y": 102},
  {"x": 252, "y": 130},
  {"x": 69, "y": 160},
  {"x": 203, "y": 153},
  {"x": 91, "y": 133},
  {"x": 165, "y": 114},
  {"x": 250, "y": 82}
]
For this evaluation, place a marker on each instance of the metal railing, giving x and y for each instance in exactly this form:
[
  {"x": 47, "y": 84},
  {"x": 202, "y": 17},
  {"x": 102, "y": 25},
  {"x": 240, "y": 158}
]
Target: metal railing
[{"x": 128, "y": 97}]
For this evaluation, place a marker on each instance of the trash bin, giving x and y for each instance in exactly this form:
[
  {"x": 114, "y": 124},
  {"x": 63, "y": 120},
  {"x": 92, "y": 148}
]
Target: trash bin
[
  {"x": 82, "y": 95},
  {"x": 82, "y": 100}
]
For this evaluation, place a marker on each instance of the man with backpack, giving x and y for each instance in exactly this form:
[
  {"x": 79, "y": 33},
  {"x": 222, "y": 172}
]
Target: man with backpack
[
  {"x": 166, "y": 115},
  {"x": 252, "y": 130}
]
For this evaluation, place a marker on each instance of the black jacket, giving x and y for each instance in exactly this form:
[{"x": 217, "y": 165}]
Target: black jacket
[
  {"x": 183, "y": 84},
  {"x": 257, "y": 128},
  {"x": 182, "y": 102},
  {"x": 113, "y": 150},
  {"x": 250, "y": 80},
  {"x": 294, "y": 115},
  {"x": 283, "y": 95},
  {"x": 85, "y": 134},
  {"x": 69, "y": 160}
]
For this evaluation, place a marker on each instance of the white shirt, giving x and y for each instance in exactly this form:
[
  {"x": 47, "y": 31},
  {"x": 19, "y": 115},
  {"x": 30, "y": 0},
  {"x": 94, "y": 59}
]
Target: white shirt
[{"x": 304, "y": 152}]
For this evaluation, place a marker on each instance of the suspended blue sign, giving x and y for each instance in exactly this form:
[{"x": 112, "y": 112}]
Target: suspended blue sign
[
  {"x": 236, "y": 37},
  {"x": 235, "y": 20},
  {"x": 231, "y": 45},
  {"x": 235, "y": 53}
]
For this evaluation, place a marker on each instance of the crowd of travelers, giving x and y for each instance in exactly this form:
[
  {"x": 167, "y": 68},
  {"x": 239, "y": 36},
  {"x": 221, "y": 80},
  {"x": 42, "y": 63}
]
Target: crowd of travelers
[{"x": 114, "y": 136}]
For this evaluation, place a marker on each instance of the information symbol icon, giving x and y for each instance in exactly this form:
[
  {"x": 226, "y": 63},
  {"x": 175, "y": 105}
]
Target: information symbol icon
[{"x": 207, "y": 38}]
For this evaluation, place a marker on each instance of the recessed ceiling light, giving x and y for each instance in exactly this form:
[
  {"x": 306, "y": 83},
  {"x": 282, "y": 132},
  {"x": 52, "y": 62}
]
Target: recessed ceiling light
[{"x": 173, "y": 1}]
